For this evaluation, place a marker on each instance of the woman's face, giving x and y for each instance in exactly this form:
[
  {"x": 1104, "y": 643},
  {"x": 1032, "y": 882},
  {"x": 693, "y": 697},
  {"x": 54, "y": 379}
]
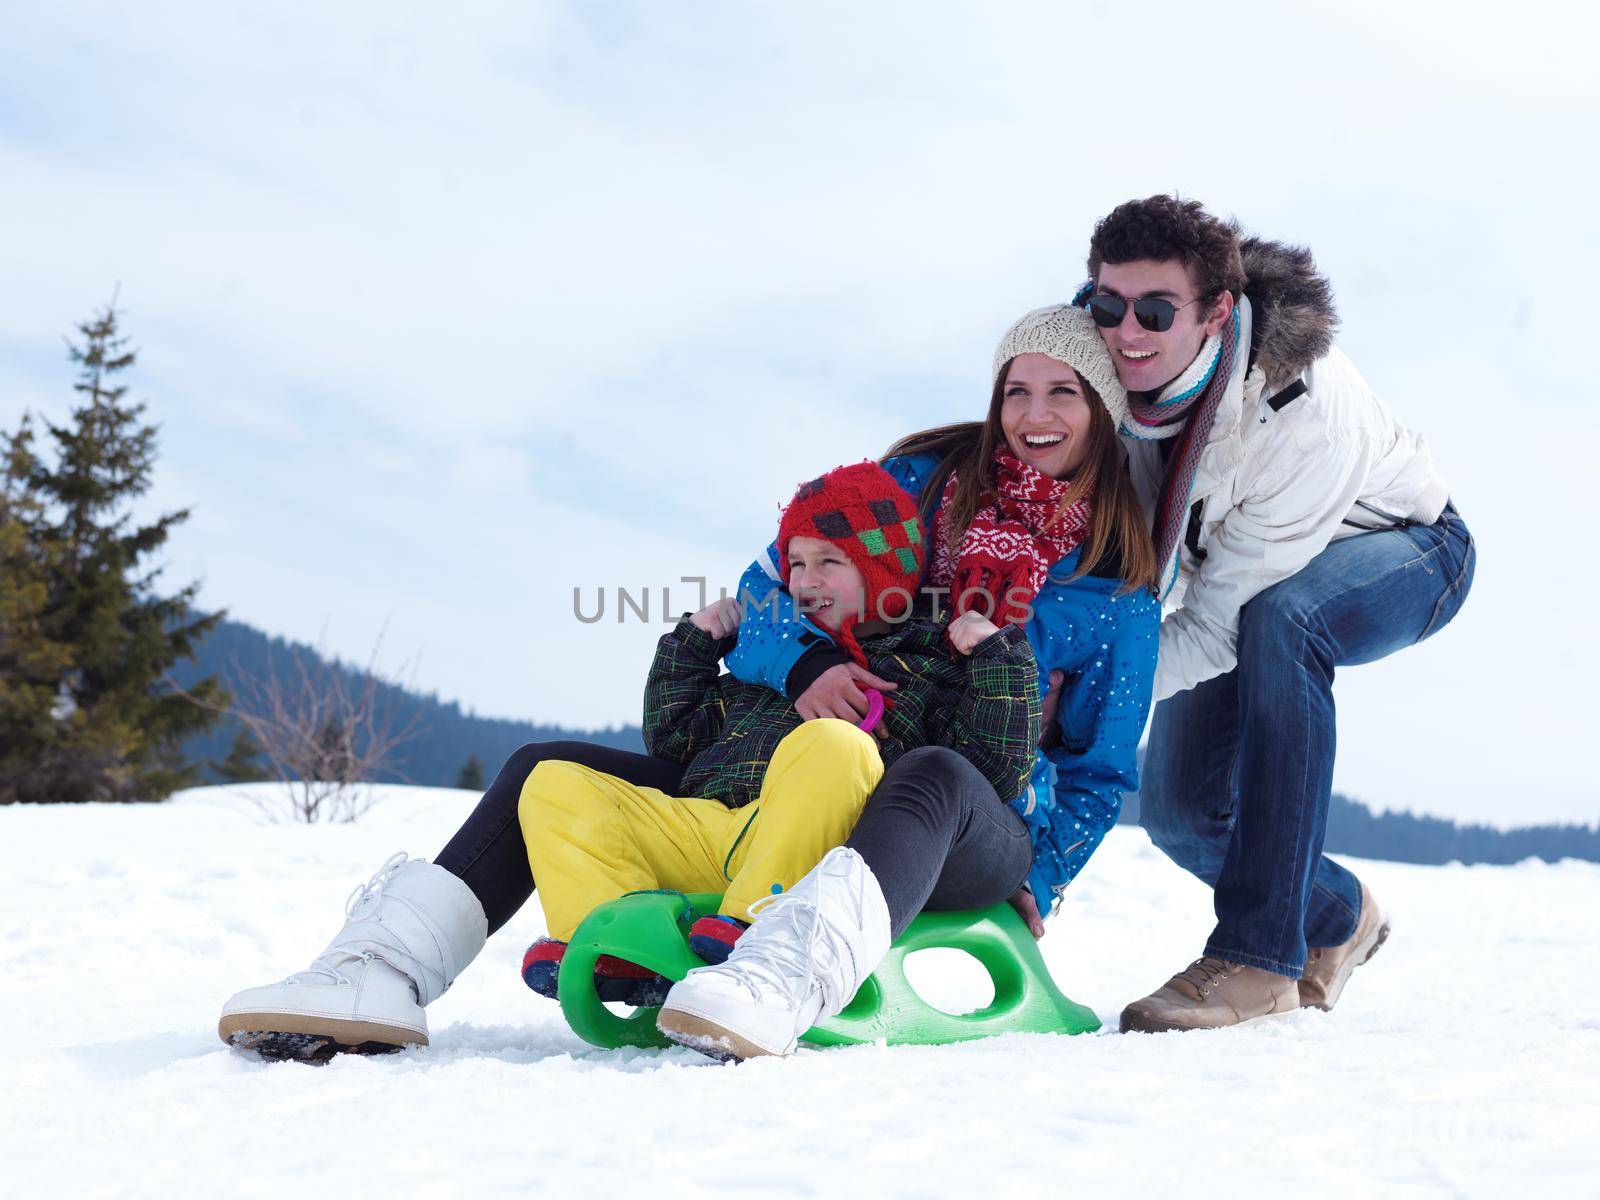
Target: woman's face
[
  {"x": 1045, "y": 415},
  {"x": 825, "y": 582}
]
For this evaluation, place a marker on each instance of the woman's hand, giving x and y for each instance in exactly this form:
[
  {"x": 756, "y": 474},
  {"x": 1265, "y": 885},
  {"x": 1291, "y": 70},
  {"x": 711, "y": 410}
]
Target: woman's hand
[
  {"x": 720, "y": 618},
  {"x": 837, "y": 693},
  {"x": 1028, "y": 908},
  {"x": 967, "y": 630},
  {"x": 1051, "y": 704}
]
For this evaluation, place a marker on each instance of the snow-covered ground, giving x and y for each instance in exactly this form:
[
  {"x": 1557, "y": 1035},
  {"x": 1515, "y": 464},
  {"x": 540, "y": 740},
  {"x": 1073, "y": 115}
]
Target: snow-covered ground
[{"x": 1465, "y": 1059}]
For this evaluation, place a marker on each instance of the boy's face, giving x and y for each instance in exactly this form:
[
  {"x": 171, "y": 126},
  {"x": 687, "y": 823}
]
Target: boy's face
[
  {"x": 1147, "y": 360},
  {"x": 825, "y": 582}
]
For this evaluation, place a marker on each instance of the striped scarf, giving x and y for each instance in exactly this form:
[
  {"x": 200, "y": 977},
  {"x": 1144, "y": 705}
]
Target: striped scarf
[
  {"x": 1005, "y": 554},
  {"x": 1195, "y": 395}
]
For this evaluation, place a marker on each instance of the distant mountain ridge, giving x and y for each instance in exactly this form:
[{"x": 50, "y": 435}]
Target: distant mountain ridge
[
  {"x": 447, "y": 736},
  {"x": 1355, "y": 829}
]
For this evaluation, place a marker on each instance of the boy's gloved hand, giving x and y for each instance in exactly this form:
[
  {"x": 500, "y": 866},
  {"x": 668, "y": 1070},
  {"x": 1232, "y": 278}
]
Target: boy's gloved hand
[
  {"x": 967, "y": 630},
  {"x": 1050, "y": 705},
  {"x": 720, "y": 618},
  {"x": 837, "y": 693}
]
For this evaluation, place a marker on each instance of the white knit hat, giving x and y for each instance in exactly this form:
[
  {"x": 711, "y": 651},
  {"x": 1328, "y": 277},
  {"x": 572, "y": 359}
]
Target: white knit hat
[{"x": 1068, "y": 335}]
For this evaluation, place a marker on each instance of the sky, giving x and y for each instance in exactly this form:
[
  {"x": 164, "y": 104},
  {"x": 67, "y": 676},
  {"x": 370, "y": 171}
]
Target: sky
[{"x": 447, "y": 311}]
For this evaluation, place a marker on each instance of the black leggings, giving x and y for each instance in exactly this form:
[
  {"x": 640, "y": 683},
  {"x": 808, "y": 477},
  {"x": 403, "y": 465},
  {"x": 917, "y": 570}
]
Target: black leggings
[
  {"x": 934, "y": 833},
  {"x": 488, "y": 853},
  {"x": 938, "y": 837}
]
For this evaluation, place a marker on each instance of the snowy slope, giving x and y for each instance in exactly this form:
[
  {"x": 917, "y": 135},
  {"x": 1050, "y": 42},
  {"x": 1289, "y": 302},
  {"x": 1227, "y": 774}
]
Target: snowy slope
[{"x": 1464, "y": 1060}]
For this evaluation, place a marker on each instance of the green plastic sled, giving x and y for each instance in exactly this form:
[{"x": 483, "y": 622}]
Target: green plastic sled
[{"x": 651, "y": 929}]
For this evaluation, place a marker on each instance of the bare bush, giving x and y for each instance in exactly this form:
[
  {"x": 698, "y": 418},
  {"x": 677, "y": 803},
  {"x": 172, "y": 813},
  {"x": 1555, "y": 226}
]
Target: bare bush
[{"x": 324, "y": 730}]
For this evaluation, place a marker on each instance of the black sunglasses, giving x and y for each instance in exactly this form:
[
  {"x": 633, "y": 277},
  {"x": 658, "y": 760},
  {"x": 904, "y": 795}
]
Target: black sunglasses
[{"x": 1152, "y": 313}]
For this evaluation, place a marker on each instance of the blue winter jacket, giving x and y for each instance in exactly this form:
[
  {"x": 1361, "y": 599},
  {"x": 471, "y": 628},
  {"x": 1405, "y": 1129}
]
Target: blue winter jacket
[{"x": 1106, "y": 644}]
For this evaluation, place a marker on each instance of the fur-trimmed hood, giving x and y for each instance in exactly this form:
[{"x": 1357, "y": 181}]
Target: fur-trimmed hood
[{"x": 1291, "y": 305}]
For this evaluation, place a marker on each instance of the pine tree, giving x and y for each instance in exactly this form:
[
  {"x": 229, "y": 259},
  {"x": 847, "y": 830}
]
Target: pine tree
[
  {"x": 32, "y": 661},
  {"x": 243, "y": 764},
  {"x": 471, "y": 776},
  {"x": 83, "y": 619}
]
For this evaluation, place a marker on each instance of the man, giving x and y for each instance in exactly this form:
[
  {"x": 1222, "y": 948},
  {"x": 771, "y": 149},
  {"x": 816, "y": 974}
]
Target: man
[{"x": 1301, "y": 529}]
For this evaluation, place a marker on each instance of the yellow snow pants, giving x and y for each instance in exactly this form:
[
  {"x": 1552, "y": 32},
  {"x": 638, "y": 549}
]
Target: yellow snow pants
[{"x": 592, "y": 837}]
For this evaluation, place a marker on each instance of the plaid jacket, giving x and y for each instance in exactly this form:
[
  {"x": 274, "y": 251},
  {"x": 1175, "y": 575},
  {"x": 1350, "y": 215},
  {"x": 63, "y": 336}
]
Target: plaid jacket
[{"x": 985, "y": 706}]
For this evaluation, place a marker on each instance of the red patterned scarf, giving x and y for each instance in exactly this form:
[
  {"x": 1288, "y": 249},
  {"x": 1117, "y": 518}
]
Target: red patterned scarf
[{"x": 1007, "y": 551}]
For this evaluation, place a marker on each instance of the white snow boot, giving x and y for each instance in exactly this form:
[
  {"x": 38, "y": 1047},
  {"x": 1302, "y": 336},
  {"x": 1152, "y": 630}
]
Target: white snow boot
[
  {"x": 411, "y": 930},
  {"x": 802, "y": 960}
]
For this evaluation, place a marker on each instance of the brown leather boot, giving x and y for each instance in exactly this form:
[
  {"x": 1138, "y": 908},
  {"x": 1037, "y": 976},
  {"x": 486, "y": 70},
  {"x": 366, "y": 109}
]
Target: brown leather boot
[
  {"x": 1328, "y": 968},
  {"x": 1209, "y": 994}
]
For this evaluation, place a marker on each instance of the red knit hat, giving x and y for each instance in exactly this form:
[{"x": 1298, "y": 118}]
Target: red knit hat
[{"x": 864, "y": 512}]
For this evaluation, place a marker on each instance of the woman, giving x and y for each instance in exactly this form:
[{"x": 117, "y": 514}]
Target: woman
[
  {"x": 765, "y": 793},
  {"x": 1035, "y": 522}
]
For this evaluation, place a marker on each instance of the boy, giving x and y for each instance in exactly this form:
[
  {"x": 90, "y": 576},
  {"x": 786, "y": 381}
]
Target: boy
[{"x": 768, "y": 794}]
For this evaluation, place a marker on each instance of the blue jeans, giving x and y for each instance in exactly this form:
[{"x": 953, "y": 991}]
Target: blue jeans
[{"x": 1239, "y": 770}]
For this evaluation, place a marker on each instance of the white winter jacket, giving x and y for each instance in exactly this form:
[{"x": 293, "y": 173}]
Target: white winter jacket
[{"x": 1277, "y": 482}]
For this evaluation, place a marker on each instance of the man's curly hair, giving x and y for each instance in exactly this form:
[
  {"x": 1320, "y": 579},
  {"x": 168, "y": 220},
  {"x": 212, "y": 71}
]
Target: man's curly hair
[{"x": 1168, "y": 227}]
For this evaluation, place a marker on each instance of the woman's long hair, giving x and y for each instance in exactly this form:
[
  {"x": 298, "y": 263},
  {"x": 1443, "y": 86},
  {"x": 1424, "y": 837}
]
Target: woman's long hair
[{"x": 1118, "y": 536}]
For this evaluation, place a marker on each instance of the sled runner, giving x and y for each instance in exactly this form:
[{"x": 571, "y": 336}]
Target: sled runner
[{"x": 650, "y": 929}]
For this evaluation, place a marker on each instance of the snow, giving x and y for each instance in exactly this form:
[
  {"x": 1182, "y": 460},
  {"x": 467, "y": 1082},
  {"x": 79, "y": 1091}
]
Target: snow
[{"x": 1464, "y": 1060}]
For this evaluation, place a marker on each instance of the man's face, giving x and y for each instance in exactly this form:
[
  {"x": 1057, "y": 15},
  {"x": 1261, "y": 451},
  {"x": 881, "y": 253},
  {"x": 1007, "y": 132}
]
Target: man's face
[{"x": 1147, "y": 360}]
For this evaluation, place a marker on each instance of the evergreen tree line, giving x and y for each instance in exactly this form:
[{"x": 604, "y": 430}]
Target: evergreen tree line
[
  {"x": 448, "y": 746},
  {"x": 86, "y": 636},
  {"x": 114, "y": 688},
  {"x": 1355, "y": 829},
  {"x": 454, "y": 748}
]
